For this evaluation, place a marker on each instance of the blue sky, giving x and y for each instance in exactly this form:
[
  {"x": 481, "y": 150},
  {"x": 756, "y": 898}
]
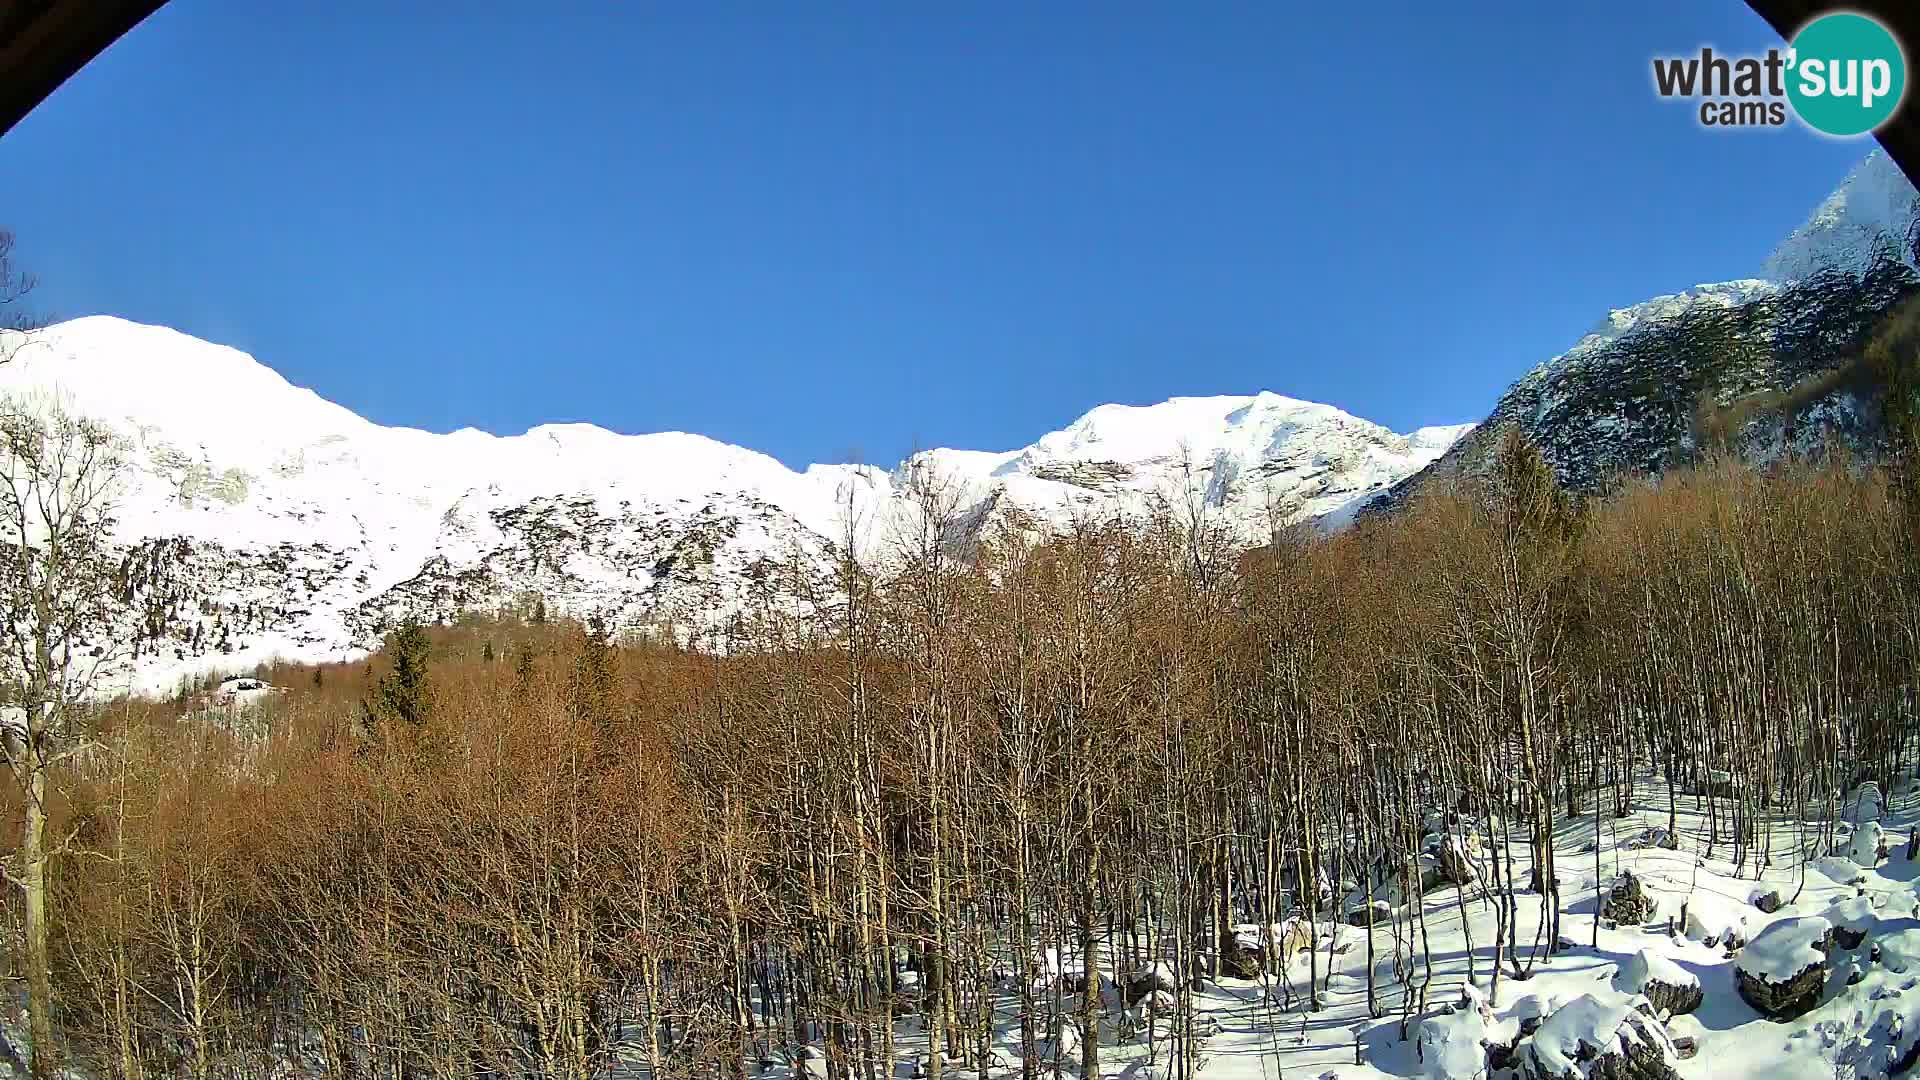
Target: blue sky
[{"x": 837, "y": 231}]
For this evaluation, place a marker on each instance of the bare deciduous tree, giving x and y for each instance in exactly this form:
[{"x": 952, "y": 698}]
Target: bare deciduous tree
[
  {"x": 59, "y": 476},
  {"x": 15, "y": 318}
]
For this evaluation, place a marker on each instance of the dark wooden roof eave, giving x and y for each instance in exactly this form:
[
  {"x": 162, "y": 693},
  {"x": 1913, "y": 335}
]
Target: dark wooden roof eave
[
  {"x": 1901, "y": 135},
  {"x": 43, "y": 42}
]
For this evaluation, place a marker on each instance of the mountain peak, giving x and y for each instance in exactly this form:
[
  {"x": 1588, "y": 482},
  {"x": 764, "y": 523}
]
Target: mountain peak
[
  {"x": 309, "y": 529},
  {"x": 1871, "y": 216},
  {"x": 1750, "y": 365},
  {"x": 154, "y": 377}
]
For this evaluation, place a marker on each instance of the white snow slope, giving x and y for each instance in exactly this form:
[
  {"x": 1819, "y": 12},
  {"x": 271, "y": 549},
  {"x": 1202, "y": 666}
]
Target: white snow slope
[
  {"x": 264, "y": 521},
  {"x": 311, "y": 529}
]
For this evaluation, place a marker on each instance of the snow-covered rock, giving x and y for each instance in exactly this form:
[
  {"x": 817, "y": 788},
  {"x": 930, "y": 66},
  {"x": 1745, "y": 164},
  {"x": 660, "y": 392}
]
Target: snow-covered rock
[
  {"x": 1531, "y": 1009},
  {"x": 1783, "y": 970},
  {"x": 1376, "y": 913},
  {"x": 1065, "y": 1049},
  {"x": 1453, "y": 859},
  {"x": 1896, "y": 903},
  {"x": 1898, "y": 1023},
  {"x": 1868, "y": 845},
  {"x": 1716, "y": 920},
  {"x": 1899, "y": 950},
  {"x": 1453, "y": 1045},
  {"x": 1839, "y": 869},
  {"x": 1629, "y": 901},
  {"x": 1853, "y": 918},
  {"x": 1595, "y": 1036},
  {"x": 1272, "y": 948},
  {"x": 1159, "y": 1003},
  {"x": 1671, "y": 989},
  {"x": 1138, "y": 985},
  {"x": 1655, "y": 837}
]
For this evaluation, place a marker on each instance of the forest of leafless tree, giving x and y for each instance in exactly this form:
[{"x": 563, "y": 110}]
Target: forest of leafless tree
[{"x": 506, "y": 846}]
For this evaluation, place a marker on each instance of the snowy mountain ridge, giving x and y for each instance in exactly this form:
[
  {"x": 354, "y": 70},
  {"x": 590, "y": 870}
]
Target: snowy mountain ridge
[
  {"x": 1873, "y": 217},
  {"x": 1752, "y": 364},
  {"x": 262, "y": 520}
]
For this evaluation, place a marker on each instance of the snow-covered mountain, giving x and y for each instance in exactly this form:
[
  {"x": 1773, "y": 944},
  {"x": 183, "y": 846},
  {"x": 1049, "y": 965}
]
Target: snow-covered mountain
[
  {"x": 1761, "y": 366},
  {"x": 262, "y": 520}
]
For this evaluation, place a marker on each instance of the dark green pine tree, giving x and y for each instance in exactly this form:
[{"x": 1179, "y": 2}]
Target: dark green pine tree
[
  {"x": 1526, "y": 493},
  {"x": 593, "y": 676},
  {"x": 523, "y": 670},
  {"x": 404, "y": 694}
]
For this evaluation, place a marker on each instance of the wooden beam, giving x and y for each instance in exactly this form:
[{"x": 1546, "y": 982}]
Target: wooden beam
[
  {"x": 1901, "y": 135},
  {"x": 43, "y": 42}
]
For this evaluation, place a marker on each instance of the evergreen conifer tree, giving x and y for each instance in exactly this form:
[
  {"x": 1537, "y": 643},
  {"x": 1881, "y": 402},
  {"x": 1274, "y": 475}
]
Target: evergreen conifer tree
[{"x": 404, "y": 693}]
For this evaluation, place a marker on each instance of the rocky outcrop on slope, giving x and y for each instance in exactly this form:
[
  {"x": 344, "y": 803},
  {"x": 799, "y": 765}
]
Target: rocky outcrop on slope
[{"x": 1762, "y": 367}]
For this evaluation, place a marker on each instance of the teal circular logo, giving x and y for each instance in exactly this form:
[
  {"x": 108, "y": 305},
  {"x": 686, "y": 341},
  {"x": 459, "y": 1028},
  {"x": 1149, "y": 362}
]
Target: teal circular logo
[{"x": 1846, "y": 74}]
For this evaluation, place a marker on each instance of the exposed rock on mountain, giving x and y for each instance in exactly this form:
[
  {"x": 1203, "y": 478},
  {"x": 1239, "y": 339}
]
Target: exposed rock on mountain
[
  {"x": 260, "y": 520},
  {"x": 1761, "y": 367}
]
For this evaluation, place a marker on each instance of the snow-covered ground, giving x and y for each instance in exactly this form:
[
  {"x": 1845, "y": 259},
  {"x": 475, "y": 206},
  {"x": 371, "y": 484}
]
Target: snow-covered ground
[{"x": 1867, "y": 1017}]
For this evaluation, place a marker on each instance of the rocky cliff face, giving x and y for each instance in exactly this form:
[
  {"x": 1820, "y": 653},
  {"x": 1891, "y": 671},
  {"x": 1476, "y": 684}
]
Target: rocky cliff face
[{"x": 1763, "y": 366}]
